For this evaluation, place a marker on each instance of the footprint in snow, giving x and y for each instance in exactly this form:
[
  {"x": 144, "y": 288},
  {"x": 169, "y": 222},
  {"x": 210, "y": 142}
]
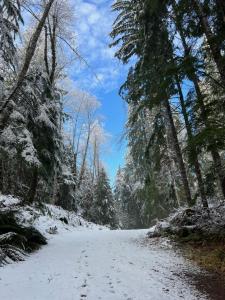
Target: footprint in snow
[{"x": 84, "y": 284}]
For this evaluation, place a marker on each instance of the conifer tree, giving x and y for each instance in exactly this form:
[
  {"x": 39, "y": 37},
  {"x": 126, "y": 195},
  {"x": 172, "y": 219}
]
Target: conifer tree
[{"x": 103, "y": 210}]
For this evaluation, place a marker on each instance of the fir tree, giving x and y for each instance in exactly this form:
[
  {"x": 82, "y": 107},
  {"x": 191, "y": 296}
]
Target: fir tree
[{"x": 103, "y": 210}]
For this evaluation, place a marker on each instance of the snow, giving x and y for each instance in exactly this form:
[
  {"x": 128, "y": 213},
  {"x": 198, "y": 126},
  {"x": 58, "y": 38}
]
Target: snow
[
  {"x": 164, "y": 224},
  {"x": 46, "y": 216},
  {"x": 29, "y": 152},
  {"x": 88, "y": 261},
  {"x": 49, "y": 217},
  {"x": 99, "y": 264},
  {"x": 43, "y": 117},
  {"x": 152, "y": 229},
  {"x": 8, "y": 200},
  {"x": 206, "y": 224}
]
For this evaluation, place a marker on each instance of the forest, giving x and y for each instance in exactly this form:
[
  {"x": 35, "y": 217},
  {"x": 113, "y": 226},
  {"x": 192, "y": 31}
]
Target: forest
[
  {"x": 51, "y": 134},
  {"x": 53, "y": 140},
  {"x": 175, "y": 95}
]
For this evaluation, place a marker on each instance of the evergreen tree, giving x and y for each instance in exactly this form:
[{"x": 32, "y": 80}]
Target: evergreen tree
[
  {"x": 85, "y": 195},
  {"x": 10, "y": 19},
  {"x": 175, "y": 123},
  {"x": 103, "y": 210}
]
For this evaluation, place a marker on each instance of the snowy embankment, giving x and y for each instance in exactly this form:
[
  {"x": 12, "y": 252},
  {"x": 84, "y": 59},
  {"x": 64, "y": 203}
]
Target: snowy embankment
[
  {"x": 46, "y": 218},
  {"x": 193, "y": 224},
  {"x": 24, "y": 229}
]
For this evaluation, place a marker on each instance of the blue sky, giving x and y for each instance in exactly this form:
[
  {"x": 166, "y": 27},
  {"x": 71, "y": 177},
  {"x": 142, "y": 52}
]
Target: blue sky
[{"x": 93, "y": 25}]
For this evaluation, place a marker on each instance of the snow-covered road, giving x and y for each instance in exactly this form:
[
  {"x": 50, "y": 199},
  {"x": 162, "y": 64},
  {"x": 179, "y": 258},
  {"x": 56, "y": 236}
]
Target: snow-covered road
[{"x": 98, "y": 264}]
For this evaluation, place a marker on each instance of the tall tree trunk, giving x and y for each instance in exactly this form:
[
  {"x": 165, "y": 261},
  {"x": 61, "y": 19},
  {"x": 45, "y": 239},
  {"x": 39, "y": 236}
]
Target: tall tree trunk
[
  {"x": 1, "y": 175},
  {"x": 94, "y": 171},
  {"x": 46, "y": 50},
  {"x": 33, "y": 188},
  {"x": 172, "y": 167},
  {"x": 55, "y": 187},
  {"x": 174, "y": 190},
  {"x": 52, "y": 31},
  {"x": 28, "y": 58},
  {"x": 214, "y": 152},
  {"x": 221, "y": 8},
  {"x": 219, "y": 169},
  {"x": 77, "y": 140},
  {"x": 211, "y": 39},
  {"x": 194, "y": 152},
  {"x": 82, "y": 170},
  {"x": 200, "y": 98},
  {"x": 75, "y": 165},
  {"x": 178, "y": 153}
]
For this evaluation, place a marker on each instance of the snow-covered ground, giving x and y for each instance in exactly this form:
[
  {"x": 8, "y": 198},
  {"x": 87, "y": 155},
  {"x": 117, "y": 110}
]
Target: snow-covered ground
[
  {"x": 46, "y": 216},
  {"x": 86, "y": 261},
  {"x": 98, "y": 264}
]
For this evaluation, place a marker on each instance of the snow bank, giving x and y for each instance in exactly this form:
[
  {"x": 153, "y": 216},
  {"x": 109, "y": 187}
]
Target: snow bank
[
  {"x": 8, "y": 201},
  {"x": 46, "y": 217},
  {"x": 50, "y": 216},
  {"x": 29, "y": 227},
  {"x": 195, "y": 223}
]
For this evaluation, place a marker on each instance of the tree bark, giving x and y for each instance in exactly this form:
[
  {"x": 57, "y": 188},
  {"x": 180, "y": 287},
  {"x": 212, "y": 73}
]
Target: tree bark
[
  {"x": 194, "y": 152},
  {"x": 53, "y": 47},
  {"x": 221, "y": 7},
  {"x": 84, "y": 159},
  {"x": 211, "y": 38},
  {"x": 1, "y": 175},
  {"x": 219, "y": 169},
  {"x": 214, "y": 152},
  {"x": 200, "y": 98},
  {"x": 28, "y": 57},
  {"x": 178, "y": 152},
  {"x": 33, "y": 188},
  {"x": 55, "y": 187},
  {"x": 46, "y": 51}
]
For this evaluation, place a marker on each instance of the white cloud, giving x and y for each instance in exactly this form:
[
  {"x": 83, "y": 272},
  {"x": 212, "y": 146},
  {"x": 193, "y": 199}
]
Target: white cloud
[{"x": 93, "y": 23}]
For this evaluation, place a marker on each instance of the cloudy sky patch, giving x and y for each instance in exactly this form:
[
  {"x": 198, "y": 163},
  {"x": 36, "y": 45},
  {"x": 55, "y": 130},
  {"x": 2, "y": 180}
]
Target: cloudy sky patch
[{"x": 104, "y": 74}]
